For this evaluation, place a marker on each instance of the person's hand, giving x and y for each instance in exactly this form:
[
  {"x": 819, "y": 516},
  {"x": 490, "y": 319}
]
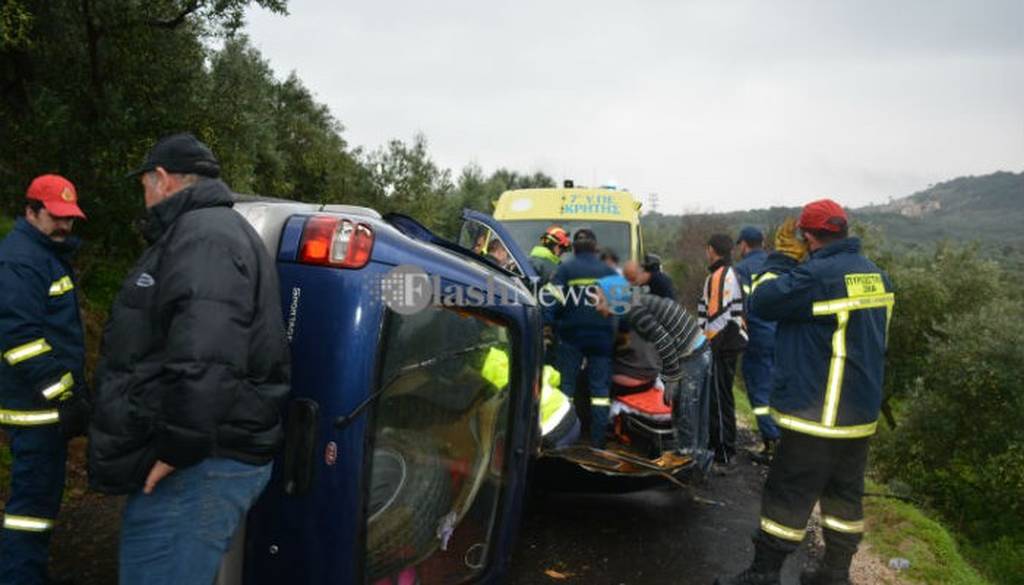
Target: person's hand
[
  {"x": 160, "y": 470},
  {"x": 788, "y": 243}
]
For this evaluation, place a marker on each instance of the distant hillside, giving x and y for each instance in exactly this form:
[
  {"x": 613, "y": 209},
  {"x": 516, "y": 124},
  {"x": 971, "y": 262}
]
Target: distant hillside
[{"x": 988, "y": 209}]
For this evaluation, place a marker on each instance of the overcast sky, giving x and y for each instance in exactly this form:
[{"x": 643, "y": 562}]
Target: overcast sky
[{"x": 714, "y": 105}]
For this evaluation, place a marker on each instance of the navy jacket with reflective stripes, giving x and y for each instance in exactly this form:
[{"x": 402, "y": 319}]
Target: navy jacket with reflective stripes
[
  {"x": 577, "y": 321},
  {"x": 761, "y": 332},
  {"x": 832, "y": 312},
  {"x": 41, "y": 338}
]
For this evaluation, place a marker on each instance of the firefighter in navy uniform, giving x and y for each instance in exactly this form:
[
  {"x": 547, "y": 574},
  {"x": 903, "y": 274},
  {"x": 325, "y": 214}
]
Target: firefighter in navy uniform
[
  {"x": 584, "y": 334},
  {"x": 833, "y": 313},
  {"x": 42, "y": 398},
  {"x": 759, "y": 356}
]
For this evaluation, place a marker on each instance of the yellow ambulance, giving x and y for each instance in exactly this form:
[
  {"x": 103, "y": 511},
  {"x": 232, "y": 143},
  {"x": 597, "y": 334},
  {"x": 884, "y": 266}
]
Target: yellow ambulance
[{"x": 612, "y": 214}]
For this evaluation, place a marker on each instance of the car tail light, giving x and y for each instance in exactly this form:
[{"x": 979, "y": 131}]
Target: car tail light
[{"x": 334, "y": 241}]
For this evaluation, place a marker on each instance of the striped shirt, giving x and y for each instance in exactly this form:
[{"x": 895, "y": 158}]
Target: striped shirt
[{"x": 721, "y": 303}]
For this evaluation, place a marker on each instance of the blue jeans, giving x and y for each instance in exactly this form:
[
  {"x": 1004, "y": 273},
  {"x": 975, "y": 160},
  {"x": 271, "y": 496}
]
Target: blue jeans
[
  {"x": 757, "y": 375},
  {"x": 599, "y": 374},
  {"x": 179, "y": 533}
]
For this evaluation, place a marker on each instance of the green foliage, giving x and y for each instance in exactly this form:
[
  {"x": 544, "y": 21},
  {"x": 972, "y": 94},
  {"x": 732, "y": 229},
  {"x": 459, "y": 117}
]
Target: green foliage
[
  {"x": 1002, "y": 560},
  {"x": 474, "y": 190},
  {"x": 681, "y": 242},
  {"x": 960, "y": 442},
  {"x": 409, "y": 181},
  {"x": 898, "y": 529},
  {"x": 932, "y": 289},
  {"x": 6, "y": 224},
  {"x": 15, "y": 25}
]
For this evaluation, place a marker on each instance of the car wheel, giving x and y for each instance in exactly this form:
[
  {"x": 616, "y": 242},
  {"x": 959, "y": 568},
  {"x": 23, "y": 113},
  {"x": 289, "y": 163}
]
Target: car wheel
[{"x": 410, "y": 492}]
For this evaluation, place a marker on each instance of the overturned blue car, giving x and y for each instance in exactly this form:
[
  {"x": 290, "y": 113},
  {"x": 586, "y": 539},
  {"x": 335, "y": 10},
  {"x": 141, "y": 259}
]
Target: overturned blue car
[{"x": 418, "y": 368}]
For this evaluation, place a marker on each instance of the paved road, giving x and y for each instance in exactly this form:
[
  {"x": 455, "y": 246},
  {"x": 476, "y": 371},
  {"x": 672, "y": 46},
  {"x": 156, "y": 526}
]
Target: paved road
[{"x": 654, "y": 537}]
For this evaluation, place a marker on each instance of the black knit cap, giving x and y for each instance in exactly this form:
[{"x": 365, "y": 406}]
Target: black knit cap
[
  {"x": 721, "y": 244},
  {"x": 180, "y": 153}
]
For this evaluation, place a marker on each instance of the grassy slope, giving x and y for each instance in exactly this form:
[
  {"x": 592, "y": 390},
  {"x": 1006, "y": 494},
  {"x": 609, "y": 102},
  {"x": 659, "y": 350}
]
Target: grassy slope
[{"x": 898, "y": 529}]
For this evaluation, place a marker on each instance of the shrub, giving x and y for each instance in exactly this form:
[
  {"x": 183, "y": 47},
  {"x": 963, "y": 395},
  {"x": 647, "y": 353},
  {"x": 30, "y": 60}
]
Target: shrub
[{"x": 960, "y": 443}]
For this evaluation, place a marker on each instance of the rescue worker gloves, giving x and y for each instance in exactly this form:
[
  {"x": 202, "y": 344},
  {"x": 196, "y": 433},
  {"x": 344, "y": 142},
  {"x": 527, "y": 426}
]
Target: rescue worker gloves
[{"x": 787, "y": 242}]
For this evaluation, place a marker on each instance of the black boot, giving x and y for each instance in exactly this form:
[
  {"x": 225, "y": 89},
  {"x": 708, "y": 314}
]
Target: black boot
[
  {"x": 833, "y": 570},
  {"x": 763, "y": 571}
]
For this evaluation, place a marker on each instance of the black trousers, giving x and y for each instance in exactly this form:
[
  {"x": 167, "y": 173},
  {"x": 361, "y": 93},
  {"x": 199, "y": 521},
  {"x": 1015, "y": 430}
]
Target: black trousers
[
  {"x": 723, "y": 407},
  {"x": 808, "y": 470}
]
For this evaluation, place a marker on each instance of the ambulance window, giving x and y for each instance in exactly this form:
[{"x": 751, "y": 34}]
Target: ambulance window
[
  {"x": 614, "y": 235},
  {"x": 437, "y": 468}
]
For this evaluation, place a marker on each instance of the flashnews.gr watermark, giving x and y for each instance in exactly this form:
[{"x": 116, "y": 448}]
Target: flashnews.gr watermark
[{"x": 408, "y": 289}]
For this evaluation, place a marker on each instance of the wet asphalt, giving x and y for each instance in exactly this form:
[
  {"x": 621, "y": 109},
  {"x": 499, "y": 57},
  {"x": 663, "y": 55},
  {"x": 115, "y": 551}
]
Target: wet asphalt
[{"x": 663, "y": 535}]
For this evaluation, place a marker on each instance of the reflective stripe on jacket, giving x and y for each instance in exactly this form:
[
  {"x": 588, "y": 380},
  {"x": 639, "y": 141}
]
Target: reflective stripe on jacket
[
  {"x": 577, "y": 320},
  {"x": 554, "y": 405},
  {"x": 761, "y": 332},
  {"x": 720, "y": 309},
  {"x": 41, "y": 339},
  {"x": 833, "y": 313},
  {"x": 544, "y": 262}
]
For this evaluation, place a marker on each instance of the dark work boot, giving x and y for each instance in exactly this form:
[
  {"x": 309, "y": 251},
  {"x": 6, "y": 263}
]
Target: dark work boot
[
  {"x": 763, "y": 571},
  {"x": 833, "y": 570}
]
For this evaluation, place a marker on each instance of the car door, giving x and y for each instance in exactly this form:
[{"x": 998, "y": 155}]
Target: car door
[{"x": 478, "y": 233}]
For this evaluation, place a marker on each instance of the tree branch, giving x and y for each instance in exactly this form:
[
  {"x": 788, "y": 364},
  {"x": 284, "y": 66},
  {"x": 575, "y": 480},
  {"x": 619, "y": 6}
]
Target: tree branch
[{"x": 180, "y": 18}]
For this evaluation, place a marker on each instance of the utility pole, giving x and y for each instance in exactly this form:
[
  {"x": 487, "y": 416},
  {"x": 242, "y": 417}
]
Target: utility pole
[{"x": 652, "y": 203}]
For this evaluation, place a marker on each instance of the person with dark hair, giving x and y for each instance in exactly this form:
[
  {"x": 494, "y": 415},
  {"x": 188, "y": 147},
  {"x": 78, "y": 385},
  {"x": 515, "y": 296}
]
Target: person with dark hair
[
  {"x": 759, "y": 356},
  {"x": 194, "y": 371},
  {"x": 583, "y": 332},
  {"x": 43, "y": 398},
  {"x": 833, "y": 307},
  {"x": 609, "y": 257},
  {"x": 720, "y": 314}
]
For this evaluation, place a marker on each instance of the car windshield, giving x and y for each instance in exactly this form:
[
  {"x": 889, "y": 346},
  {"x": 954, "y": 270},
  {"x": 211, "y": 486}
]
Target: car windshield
[{"x": 612, "y": 235}]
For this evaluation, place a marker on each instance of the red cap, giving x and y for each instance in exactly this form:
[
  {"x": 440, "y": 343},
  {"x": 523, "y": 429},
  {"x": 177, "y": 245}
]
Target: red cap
[
  {"x": 57, "y": 194},
  {"x": 823, "y": 214}
]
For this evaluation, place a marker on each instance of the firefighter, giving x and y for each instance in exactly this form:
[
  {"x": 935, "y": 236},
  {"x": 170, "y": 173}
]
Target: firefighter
[
  {"x": 833, "y": 311},
  {"x": 583, "y": 332},
  {"x": 547, "y": 255},
  {"x": 42, "y": 398},
  {"x": 760, "y": 353}
]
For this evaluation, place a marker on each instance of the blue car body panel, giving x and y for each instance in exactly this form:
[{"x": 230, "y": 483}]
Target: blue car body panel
[{"x": 335, "y": 325}]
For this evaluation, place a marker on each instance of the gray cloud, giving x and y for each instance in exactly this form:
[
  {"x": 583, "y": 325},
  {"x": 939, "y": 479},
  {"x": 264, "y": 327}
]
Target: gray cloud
[{"x": 713, "y": 105}]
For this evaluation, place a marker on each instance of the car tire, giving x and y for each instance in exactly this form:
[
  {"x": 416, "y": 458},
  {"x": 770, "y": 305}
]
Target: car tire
[{"x": 410, "y": 493}]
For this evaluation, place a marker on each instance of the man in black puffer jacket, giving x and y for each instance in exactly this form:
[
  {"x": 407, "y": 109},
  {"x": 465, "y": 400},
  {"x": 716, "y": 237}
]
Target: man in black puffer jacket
[{"x": 193, "y": 375}]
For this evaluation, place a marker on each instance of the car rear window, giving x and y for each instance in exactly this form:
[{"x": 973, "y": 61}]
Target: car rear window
[{"x": 438, "y": 447}]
